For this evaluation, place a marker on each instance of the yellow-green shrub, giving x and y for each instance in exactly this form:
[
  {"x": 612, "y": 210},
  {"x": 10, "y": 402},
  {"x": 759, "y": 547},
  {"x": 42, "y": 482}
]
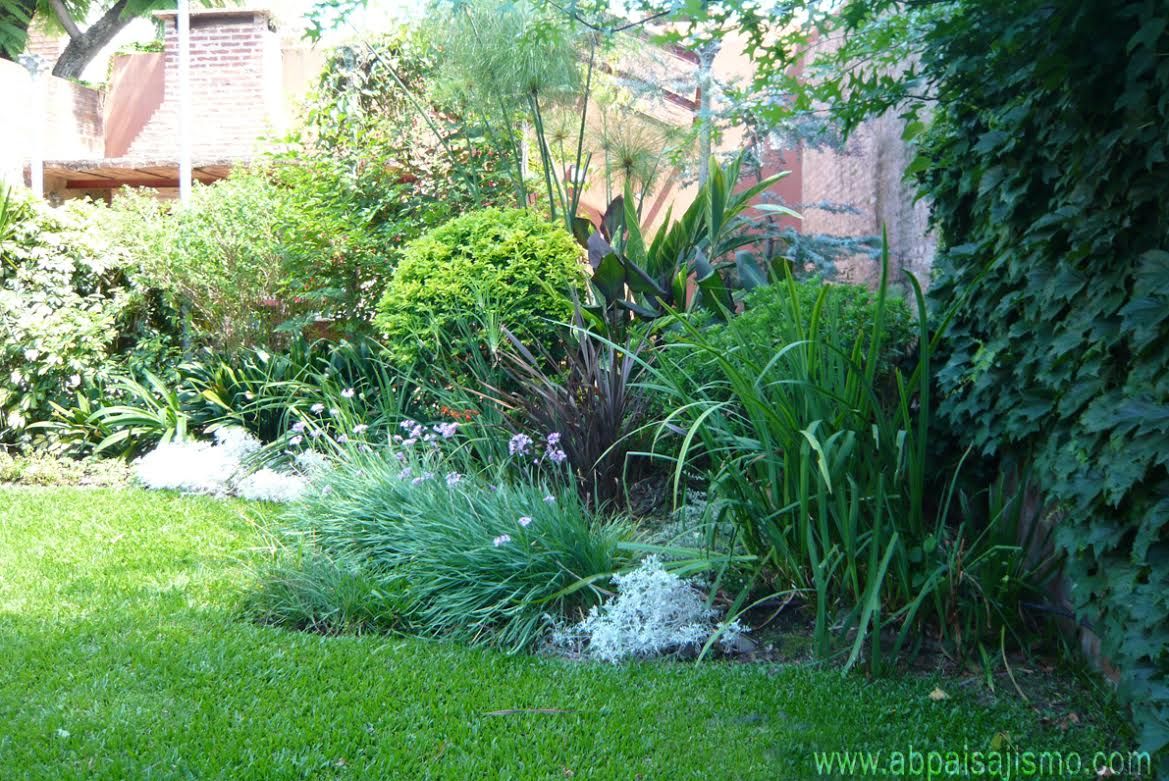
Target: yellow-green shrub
[{"x": 484, "y": 269}]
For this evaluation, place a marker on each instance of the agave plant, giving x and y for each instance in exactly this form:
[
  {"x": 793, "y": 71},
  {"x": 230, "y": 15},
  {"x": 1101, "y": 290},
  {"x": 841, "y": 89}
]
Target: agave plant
[{"x": 634, "y": 278}]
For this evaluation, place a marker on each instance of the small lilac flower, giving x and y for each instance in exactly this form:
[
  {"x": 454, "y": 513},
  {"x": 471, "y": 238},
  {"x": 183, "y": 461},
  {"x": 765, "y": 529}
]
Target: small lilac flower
[
  {"x": 360, "y": 428},
  {"x": 452, "y": 479},
  {"x": 525, "y": 520},
  {"x": 296, "y": 440},
  {"x": 557, "y": 455},
  {"x": 348, "y": 393},
  {"x": 298, "y": 426},
  {"x": 342, "y": 439},
  {"x": 502, "y": 539},
  {"x": 417, "y": 480},
  {"x": 409, "y": 442},
  {"x": 519, "y": 445},
  {"x": 406, "y": 472},
  {"x": 446, "y": 430},
  {"x": 406, "y": 424},
  {"x": 318, "y": 407},
  {"x": 327, "y": 490},
  {"x": 334, "y": 412},
  {"x": 554, "y": 439},
  {"x": 550, "y": 499}
]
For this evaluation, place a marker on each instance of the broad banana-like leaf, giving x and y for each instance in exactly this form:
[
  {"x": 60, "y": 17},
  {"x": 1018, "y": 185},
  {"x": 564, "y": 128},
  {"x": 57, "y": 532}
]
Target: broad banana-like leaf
[
  {"x": 775, "y": 208},
  {"x": 751, "y": 275},
  {"x": 614, "y": 219},
  {"x": 715, "y": 294},
  {"x": 582, "y": 229},
  {"x": 609, "y": 278},
  {"x": 599, "y": 249}
]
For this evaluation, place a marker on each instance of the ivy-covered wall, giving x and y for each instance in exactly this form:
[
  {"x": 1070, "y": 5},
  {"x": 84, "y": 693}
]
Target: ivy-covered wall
[{"x": 1048, "y": 167}]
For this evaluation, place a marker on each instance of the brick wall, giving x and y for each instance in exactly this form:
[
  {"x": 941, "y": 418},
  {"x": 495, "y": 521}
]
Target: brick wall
[
  {"x": 235, "y": 60},
  {"x": 68, "y": 122},
  {"x": 856, "y": 190}
]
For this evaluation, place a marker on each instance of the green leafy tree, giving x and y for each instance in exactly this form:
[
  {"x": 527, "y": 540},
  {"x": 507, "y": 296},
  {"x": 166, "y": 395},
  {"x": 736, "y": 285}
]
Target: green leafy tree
[{"x": 102, "y": 21}]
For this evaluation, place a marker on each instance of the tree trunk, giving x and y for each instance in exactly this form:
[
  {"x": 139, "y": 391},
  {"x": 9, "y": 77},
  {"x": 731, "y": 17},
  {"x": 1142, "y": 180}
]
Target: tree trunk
[
  {"x": 82, "y": 49},
  {"x": 706, "y": 56}
]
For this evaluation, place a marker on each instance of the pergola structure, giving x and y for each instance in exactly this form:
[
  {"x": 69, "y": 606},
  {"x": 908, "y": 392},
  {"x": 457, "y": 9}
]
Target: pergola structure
[{"x": 110, "y": 174}]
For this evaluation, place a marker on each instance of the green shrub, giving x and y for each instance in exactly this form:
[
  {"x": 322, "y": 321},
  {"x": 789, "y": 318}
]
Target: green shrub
[
  {"x": 68, "y": 303},
  {"x": 849, "y": 311},
  {"x": 458, "y": 554},
  {"x": 220, "y": 258},
  {"x": 47, "y": 470},
  {"x": 487, "y": 268}
]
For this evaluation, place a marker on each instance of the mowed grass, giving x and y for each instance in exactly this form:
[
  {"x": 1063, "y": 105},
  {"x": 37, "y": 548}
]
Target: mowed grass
[{"x": 123, "y": 656}]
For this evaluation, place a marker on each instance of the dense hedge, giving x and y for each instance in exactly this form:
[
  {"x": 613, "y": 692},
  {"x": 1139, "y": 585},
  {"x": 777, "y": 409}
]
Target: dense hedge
[{"x": 1048, "y": 167}]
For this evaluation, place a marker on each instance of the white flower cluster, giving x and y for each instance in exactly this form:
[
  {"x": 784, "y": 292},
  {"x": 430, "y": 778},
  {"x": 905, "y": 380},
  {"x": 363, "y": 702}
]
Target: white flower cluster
[
  {"x": 655, "y": 612},
  {"x": 218, "y": 469}
]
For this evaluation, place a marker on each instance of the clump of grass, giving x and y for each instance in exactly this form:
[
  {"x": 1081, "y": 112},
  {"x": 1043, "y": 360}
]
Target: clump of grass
[{"x": 439, "y": 553}]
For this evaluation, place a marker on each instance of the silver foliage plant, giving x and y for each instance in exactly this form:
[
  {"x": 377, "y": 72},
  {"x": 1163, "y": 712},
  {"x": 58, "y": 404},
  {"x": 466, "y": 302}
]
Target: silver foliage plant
[
  {"x": 654, "y": 613},
  {"x": 218, "y": 469}
]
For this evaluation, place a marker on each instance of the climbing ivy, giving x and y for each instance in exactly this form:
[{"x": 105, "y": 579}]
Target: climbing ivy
[
  {"x": 1047, "y": 167},
  {"x": 1044, "y": 133}
]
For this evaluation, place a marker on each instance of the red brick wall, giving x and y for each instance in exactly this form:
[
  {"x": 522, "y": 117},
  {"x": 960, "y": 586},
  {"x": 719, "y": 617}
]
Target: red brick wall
[{"x": 233, "y": 74}]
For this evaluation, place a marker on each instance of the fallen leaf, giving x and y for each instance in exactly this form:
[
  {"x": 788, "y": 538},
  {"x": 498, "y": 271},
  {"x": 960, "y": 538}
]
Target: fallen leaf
[{"x": 937, "y": 695}]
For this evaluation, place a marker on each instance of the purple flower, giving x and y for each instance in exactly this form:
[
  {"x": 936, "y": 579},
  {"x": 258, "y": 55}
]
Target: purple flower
[
  {"x": 333, "y": 411},
  {"x": 318, "y": 407},
  {"x": 407, "y": 424},
  {"x": 452, "y": 479},
  {"x": 446, "y": 430},
  {"x": 296, "y": 440},
  {"x": 341, "y": 440},
  {"x": 408, "y": 442},
  {"x": 554, "y": 439},
  {"x": 557, "y": 455},
  {"x": 519, "y": 445},
  {"x": 298, "y": 426},
  {"x": 406, "y": 471},
  {"x": 360, "y": 428},
  {"x": 502, "y": 539},
  {"x": 550, "y": 499},
  {"x": 525, "y": 520},
  {"x": 347, "y": 393}
]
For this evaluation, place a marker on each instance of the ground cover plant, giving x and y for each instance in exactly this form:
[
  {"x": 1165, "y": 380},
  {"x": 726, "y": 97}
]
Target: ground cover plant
[{"x": 125, "y": 657}]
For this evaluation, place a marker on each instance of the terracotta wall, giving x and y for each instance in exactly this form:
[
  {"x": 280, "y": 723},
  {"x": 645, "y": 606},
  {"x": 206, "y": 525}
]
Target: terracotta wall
[{"x": 133, "y": 94}]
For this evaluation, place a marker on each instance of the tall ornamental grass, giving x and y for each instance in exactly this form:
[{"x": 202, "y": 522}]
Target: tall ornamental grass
[
  {"x": 452, "y": 555},
  {"x": 825, "y": 474}
]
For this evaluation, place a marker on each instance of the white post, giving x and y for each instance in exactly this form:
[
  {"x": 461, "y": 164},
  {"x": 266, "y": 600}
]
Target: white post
[
  {"x": 183, "y": 22},
  {"x": 36, "y": 162}
]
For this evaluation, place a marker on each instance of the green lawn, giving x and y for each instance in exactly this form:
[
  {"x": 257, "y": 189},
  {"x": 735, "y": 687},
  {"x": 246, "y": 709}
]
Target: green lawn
[{"x": 122, "y": 656}]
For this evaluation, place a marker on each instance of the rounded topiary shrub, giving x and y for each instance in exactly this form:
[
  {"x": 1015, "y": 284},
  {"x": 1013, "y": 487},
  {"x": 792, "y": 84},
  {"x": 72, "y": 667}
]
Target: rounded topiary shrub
[{"x": 485, "y": 269}]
